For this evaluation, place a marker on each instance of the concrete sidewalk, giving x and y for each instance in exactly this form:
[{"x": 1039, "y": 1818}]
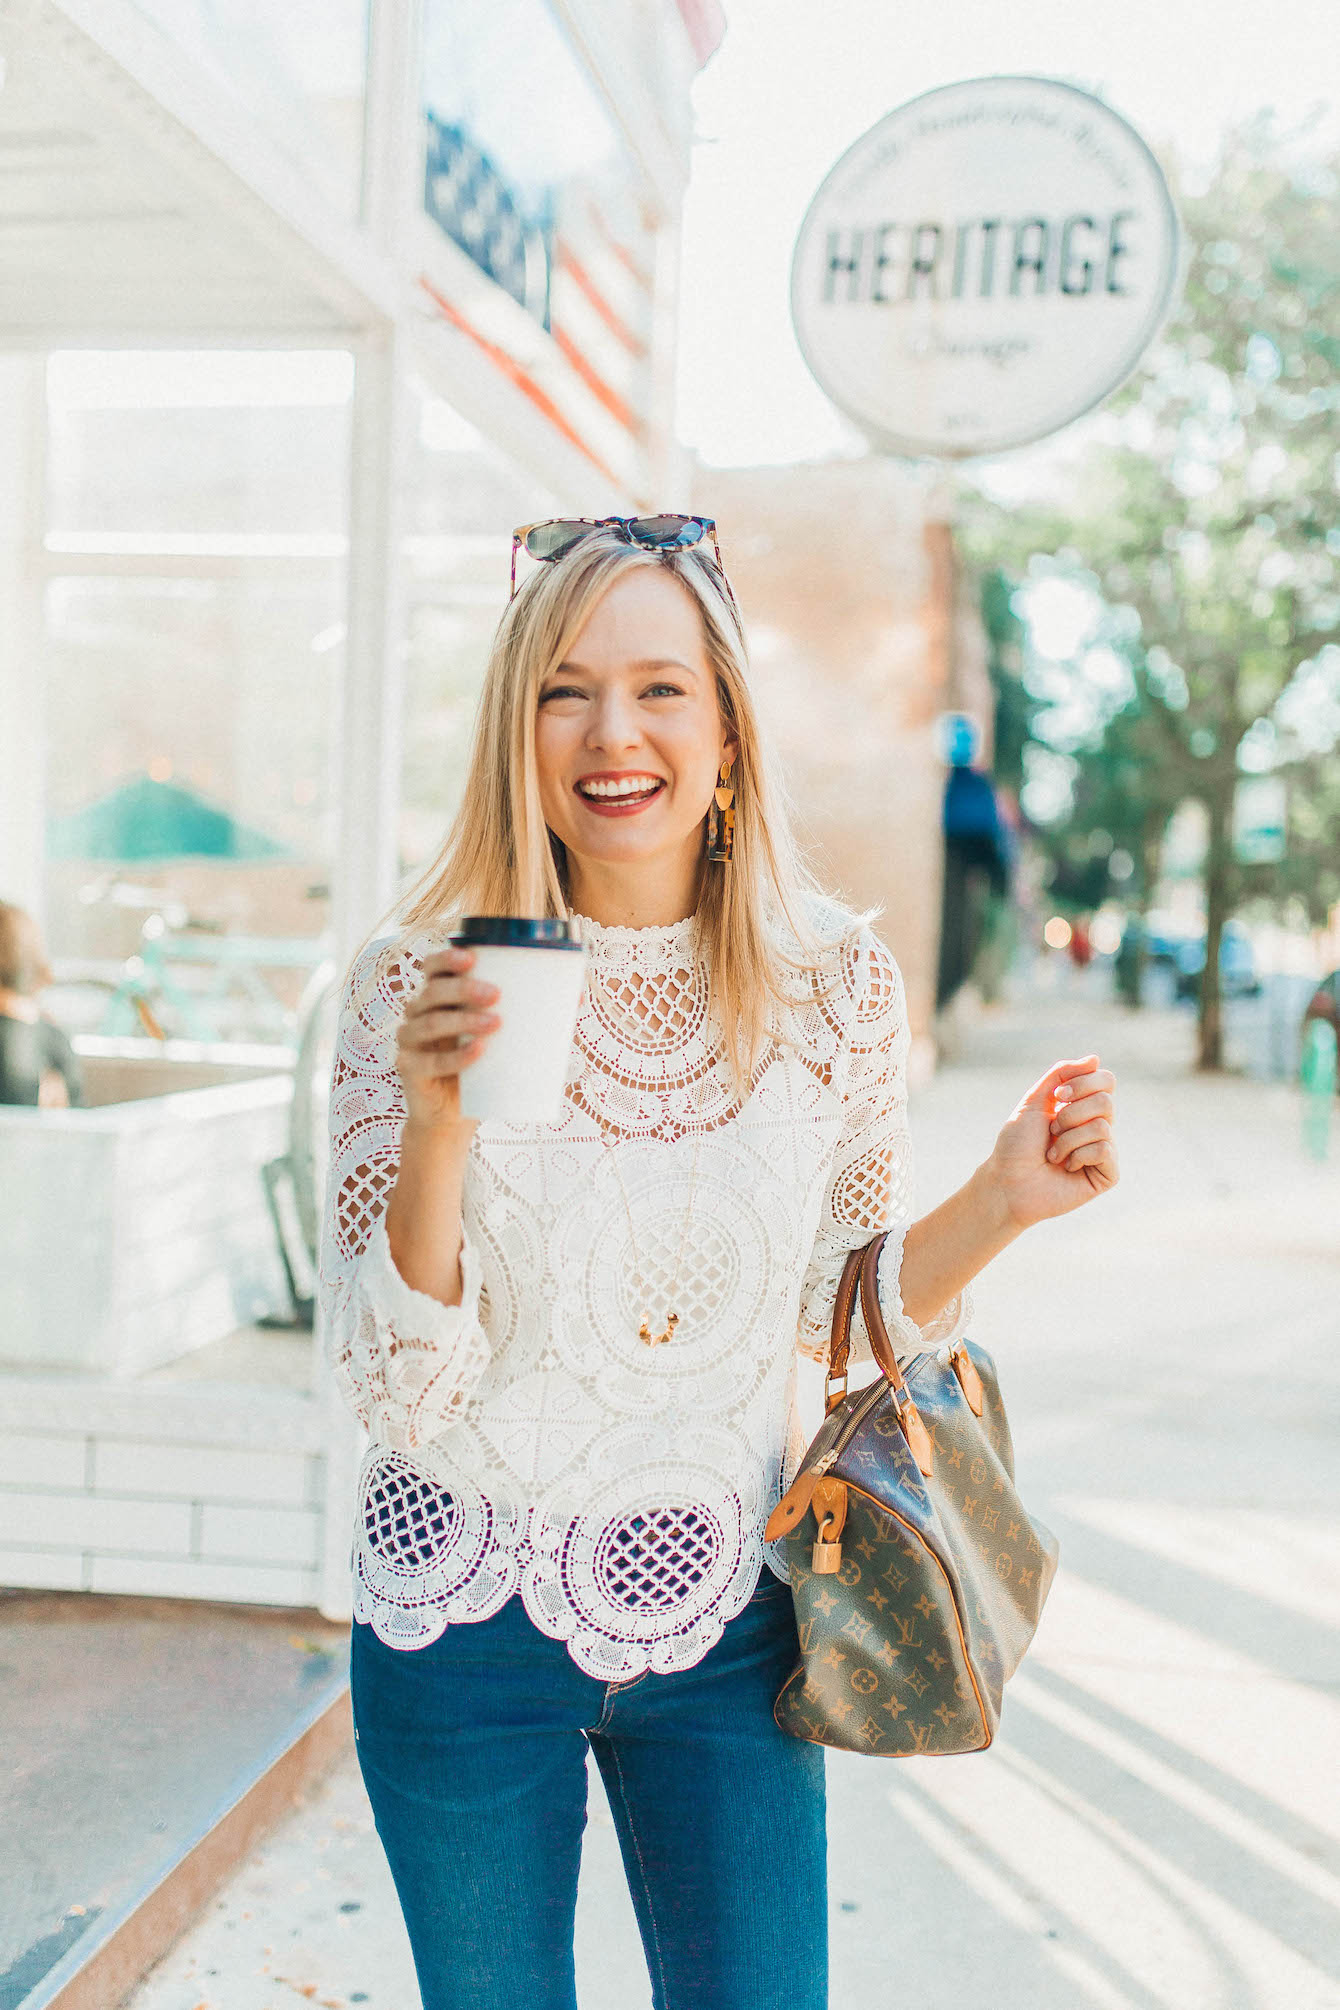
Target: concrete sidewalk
[{"x": 1158, "y": 1826}]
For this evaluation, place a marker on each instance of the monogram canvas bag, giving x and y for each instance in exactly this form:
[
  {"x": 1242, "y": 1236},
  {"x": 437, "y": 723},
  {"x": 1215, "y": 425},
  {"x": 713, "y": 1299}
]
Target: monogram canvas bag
[{"x": 918, "y": 1575}]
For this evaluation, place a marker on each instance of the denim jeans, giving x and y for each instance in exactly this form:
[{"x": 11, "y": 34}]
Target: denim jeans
[{"x": 473, "y": 1751}]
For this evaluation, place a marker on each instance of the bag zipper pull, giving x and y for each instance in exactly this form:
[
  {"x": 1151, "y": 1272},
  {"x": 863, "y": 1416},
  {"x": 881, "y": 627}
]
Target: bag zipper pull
[{"x": 791, "y": 1509}]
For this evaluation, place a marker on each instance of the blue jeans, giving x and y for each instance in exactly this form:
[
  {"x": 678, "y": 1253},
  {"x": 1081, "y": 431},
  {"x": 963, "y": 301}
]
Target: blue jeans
[{"x": 473, "y": 1751}]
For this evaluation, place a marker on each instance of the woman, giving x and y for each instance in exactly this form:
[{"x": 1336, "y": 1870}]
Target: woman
[{"x": 560, "y": 1535}]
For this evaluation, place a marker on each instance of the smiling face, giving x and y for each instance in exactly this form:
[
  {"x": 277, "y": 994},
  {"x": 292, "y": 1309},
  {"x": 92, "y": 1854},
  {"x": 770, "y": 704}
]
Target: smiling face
[{"x": 629, "y": 735}]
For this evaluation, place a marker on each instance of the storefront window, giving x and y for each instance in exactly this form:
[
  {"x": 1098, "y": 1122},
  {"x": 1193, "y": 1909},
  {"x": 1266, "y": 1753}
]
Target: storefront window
[
  {"x": 465, "y": 496},
  {"x": 300, "y": 69},
  {"x": 194, "y": 566},
  {"x": 195, "y": 570},
  {"x": 551, "y": 206}
]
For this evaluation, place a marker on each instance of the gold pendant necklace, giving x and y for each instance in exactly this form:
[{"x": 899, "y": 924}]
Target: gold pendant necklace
[{"x": 644, "y": 1332}]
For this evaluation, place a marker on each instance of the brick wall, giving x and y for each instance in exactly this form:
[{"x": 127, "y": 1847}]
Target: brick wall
[
  {"x": 861, "y": 636},
  {"x": 212, "y": 1491}
]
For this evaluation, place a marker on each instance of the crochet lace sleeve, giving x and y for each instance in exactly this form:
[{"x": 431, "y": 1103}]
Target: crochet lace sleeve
[
  {"x": 403, "y": 1362},
  {"x": 870, "y": 1182}
]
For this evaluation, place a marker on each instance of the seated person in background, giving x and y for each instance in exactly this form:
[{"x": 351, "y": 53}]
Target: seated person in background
[{"x": 37, "y": 1063}]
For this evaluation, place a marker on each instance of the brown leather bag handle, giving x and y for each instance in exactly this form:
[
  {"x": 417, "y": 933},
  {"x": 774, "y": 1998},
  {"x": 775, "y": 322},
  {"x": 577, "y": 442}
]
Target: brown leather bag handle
[
  {"x": 839, "y": 1343},
  {"x": 862, "y": 1266},
  {"x": 880, "y": 1344}
]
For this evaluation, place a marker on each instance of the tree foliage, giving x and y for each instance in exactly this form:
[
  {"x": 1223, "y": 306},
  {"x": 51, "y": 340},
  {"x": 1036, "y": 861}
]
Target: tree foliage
[{"x": 1204, "y": 512}]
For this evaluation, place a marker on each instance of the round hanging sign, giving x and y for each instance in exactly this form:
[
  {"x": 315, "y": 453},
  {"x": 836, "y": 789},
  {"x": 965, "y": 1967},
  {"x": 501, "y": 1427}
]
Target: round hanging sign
[{"x": 984, "y": 265}]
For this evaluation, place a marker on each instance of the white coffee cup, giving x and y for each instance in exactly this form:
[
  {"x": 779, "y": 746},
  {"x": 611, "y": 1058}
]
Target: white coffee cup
[{"x": 539, "y": 967}]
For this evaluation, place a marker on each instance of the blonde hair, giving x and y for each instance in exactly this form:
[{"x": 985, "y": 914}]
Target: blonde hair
[{"x": 499, "y": 856}]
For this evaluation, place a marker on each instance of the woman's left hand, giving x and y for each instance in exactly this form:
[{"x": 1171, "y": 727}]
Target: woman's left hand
[{"x": 1056, "y": 1150}]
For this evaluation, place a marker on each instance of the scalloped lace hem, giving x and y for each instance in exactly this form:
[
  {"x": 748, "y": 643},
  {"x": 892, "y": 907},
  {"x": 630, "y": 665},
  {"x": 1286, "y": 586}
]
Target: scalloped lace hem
[{"x": 414, "y": 1626}]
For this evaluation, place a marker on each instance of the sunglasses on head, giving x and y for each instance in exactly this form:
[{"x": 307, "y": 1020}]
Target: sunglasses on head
[{"x": 557, "y": 535}]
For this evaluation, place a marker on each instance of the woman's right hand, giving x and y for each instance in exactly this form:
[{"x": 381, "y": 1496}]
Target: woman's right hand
[{"x": 445, "y": 1027}]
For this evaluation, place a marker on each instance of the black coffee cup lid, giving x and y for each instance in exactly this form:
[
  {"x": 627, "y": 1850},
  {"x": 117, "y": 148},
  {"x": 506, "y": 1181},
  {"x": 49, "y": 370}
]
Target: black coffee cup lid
[{"x": 552, "y": 931}]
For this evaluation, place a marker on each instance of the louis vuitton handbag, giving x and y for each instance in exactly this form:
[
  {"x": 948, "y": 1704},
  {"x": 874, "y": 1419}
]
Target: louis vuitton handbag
[{"x": 918, "y": 1575}]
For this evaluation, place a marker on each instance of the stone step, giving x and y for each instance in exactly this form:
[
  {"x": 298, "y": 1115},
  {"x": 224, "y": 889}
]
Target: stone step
[{"x": 148, "y": 1745}]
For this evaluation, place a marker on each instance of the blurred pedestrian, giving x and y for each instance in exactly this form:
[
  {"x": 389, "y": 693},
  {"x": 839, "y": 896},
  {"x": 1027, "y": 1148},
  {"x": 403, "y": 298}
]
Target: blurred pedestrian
[
  {"x": 1319, "y": 1077},
  {"x": 573, "y": 1343},
  {"x": 1081, "y": 943},
  {"x": 37, "y": 1063},
  {"x": 1128, "y": 965},
  {"x": 1318, "y": 1072},
  {"x": 1324, "y": 1004}
]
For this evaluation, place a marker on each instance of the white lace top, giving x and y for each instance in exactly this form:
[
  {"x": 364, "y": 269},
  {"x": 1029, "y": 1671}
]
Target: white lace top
[{"x": 527, "y": 1441}]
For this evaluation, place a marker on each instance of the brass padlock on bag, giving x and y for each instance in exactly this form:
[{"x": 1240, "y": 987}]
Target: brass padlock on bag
[{"x": 829, "y": 1502}]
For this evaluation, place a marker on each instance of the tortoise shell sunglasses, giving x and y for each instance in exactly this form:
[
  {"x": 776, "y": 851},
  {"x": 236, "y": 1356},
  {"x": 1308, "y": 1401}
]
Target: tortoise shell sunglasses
[{"x": 556, "y": 536}]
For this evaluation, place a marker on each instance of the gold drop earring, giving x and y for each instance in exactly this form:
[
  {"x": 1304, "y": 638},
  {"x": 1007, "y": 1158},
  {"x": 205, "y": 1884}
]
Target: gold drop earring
[{"x": 721, "y": 818}]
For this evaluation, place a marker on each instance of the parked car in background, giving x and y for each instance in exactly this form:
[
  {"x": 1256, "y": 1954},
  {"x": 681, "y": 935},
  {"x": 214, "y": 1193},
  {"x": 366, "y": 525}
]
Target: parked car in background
[{"x": 1237, "y": 964}]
